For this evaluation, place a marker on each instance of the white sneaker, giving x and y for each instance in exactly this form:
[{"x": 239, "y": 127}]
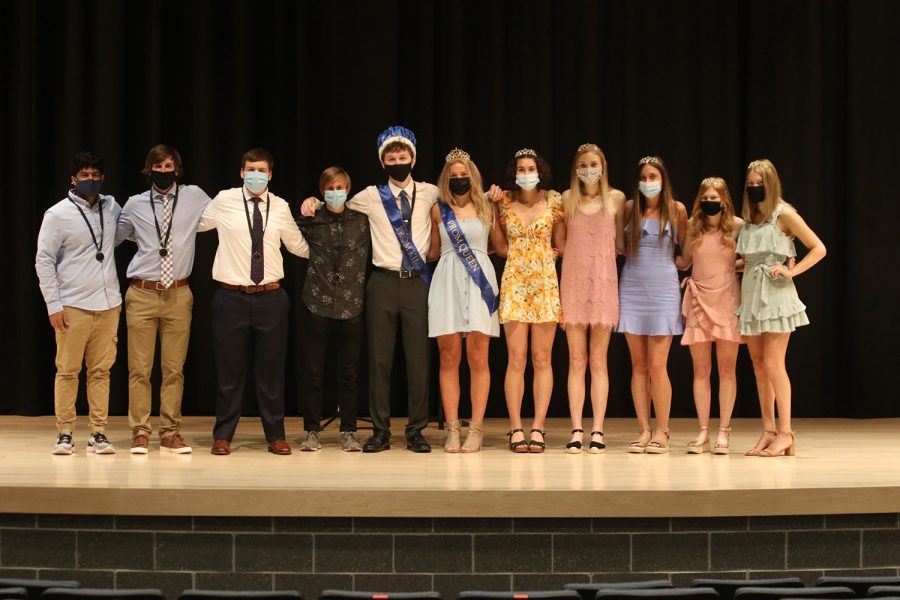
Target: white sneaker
[
  {"x": 311, "y": 443},
  {"x": 64, "y": 445},
  {"x": 98, "y": 444}
]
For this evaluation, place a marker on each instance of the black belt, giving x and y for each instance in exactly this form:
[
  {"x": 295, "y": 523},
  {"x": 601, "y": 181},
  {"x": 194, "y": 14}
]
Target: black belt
[{"x": 401, "y": 274}]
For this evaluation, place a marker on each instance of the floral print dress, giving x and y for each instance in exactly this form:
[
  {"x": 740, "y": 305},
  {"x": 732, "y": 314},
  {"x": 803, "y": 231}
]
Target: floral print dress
[{"x": 529, "y": 290}]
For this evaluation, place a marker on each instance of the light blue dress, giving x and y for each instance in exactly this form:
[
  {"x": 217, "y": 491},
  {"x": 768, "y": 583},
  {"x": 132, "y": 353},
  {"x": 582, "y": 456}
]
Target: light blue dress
[
  {"x": 649, "y": 292},
  {"x": 455, "y": 304}
]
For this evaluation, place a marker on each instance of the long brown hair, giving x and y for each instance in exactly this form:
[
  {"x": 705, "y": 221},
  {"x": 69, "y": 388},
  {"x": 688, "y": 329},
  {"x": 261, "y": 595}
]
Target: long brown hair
[
  {"x": 762, "y": 213},
  {"x": 699, "y": 223},
  {"x": 666, "y": 205},
  {"x": 576, "y": 187}
]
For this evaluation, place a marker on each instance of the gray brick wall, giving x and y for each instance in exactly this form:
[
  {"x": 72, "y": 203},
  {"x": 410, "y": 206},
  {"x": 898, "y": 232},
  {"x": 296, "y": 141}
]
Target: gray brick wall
[{"x": 441, "y": 554}]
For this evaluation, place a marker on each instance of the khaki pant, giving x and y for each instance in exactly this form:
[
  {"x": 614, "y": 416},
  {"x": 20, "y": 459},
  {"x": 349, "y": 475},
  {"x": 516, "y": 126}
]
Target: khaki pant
[
  {"x": 169, "y": 313},
  {"x": 91, "y": 338}
]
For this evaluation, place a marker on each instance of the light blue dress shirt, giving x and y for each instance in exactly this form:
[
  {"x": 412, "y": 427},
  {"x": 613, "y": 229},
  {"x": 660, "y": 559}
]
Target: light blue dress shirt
[
  {"x": 66, "y": 263},
  {"x": 136, "y": 224}
]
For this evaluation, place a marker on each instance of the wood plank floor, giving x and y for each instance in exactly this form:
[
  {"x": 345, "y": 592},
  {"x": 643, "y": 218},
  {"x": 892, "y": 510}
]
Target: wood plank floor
[{"x": 843, "y": 466}]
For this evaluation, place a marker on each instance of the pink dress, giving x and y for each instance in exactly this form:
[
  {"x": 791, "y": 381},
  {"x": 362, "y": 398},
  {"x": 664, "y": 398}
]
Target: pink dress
[
  {"x": 712, "y": 293},
  {"x": 589, "y": 290}
]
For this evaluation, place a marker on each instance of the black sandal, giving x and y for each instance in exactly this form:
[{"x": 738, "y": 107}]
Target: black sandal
[
  {"x": 534, "y": 446},
  {"x": 574, "y": 447},
  {"x": 514, "y": 446},
  {"x": 596, "y": 447}
]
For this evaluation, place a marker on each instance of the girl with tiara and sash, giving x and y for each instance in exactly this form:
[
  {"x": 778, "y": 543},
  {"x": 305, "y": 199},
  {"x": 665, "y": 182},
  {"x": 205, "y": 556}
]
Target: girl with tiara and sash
[
  {"x": 463, "y": 298},
  {"x": 591, "y": 235},
  {"x": 770, "y": 308},
  {"x": 711, "y": 297},
  {"x": 650, "y": 299},
  {"x": 530, "y": 214}
]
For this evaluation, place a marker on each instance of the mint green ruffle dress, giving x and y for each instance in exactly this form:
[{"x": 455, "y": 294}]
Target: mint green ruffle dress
[{"x": 767, "y": 305}]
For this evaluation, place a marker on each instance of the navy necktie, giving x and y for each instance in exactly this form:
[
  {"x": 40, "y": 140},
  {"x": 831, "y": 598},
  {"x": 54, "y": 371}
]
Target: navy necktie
[
  {"x": 257, "y": 263},
  {"x": 406, "y": 215}
]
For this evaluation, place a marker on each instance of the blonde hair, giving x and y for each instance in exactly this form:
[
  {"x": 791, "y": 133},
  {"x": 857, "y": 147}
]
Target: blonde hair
[
  {"x": 576, "y": 187},
  {"x": 329, "y": 175},
  {"x": 699, "y": 222},
  {"x": 667, "y": 210},
  {"x": 765, "y": 209},
  {"x": 483, "y": 208}
]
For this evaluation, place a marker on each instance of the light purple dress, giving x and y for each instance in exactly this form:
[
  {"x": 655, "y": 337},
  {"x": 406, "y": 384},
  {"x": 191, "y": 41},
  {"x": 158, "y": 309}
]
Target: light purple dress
[{"x": 649, "y": 292}]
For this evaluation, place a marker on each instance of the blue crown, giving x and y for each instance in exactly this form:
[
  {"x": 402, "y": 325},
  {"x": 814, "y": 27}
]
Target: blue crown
[{"x": 396, "y": 133}]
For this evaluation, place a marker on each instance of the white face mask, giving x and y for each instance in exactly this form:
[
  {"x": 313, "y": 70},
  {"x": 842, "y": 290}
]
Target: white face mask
[
  {"x": 589, "y": 175},
  {"x": 650, "y": 189},
  {"x": 528, "y": 182}
]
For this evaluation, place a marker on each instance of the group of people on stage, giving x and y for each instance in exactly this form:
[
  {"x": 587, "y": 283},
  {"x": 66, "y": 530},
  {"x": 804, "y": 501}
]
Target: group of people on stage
[{"x": 407, "y": 223}]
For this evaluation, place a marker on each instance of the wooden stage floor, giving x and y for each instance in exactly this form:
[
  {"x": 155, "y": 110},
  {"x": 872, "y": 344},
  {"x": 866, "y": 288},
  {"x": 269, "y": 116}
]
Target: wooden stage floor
[{"x": 843, "y": 466}]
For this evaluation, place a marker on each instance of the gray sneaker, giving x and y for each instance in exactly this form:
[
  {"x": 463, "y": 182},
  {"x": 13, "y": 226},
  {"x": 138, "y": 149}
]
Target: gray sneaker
[
  {"x": 311, "y": 443},
  {"x": 98, "y": 444},
  {"x": 349, "y": 443},
  {"x": 64, "y": 445}
]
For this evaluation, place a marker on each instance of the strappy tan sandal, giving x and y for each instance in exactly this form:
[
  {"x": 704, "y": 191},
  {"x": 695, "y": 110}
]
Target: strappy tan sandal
[
  {"x": 474, "y": 438},
  {"x": 753, "y": 451},
  {"x": 698, "y": 447},
  {"x": 788, "y": 451},
  {"x": 637, "y": 446},
  {"x": 720, "y": 448},
  {"x": 654, "y": 447}
]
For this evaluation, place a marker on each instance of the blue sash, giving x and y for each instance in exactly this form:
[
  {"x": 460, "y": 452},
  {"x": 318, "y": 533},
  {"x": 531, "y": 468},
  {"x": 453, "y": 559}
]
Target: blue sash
[
  {"x": 467, "y": 256},
  {"x": 403, "y": 234}
]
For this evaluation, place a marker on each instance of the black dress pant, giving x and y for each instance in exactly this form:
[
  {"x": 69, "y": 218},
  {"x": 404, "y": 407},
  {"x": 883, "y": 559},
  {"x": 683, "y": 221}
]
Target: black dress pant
[
  {"x": 393, "y": 302},
  {"x": 347, "y": 336},
  {"x": 249, "y": 326}
]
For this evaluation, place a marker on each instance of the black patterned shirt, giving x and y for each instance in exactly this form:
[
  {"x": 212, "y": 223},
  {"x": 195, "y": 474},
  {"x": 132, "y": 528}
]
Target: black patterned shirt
[{"x": 338, "y": 256}]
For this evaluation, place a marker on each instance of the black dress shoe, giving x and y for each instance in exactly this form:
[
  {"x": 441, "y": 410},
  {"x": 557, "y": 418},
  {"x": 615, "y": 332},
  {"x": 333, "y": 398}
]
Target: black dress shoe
[
  {"x": 381, "y": 440},
  {"x": 416, "y": 442}
]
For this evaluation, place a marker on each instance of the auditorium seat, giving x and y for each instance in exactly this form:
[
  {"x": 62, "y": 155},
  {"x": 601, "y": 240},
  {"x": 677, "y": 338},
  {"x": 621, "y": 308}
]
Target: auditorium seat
[
  {"x": 727, "y": 587},
  {"x": 551, "y": 595},
  {"x": 884, "y": 591},
  {"x": 777, "y": 593},
  {"x": 35, "y": 587},
  {"x": 100, "y": 594},
  {"x": 215, "y": 595},
  {"x": 13, "y": 593},
  {"x": 348, "y": 595},
  {"x": 860, "y": 585},
  {"x": 693, "y": 593},
  {"x": 589, "y": 590}
]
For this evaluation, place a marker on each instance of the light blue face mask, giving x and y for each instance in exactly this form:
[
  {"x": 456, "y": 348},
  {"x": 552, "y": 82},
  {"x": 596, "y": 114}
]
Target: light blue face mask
[
  {"x": 335, "y": 198},
  {"x": 528, "y": 182},
  {"x": 256, "y": 181},
  {"x": 650, "y": 189}
]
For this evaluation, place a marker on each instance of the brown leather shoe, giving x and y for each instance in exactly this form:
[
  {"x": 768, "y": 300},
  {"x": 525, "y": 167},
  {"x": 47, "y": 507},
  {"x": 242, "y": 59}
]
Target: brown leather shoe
[
  {"x": 279, "y": 447},
  {"x": 221, "y": 448}
]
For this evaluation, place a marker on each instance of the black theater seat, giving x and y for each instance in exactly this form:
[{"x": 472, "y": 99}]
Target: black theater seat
[
  {"x": 727, "y": 587},
  {"x": 214, "y": 595},
  {"x": 36, "y": 587},
  {"x": 884, "y": 591},
  {"x": 13, "y": 593},
  {"x": 860, "y": 585},
  {"x": 100, "y": 594},
  {"x": 775, "y": 593},
  {"x": 589, "y": 590},
  {"x": 347, "y": 595},
  {"x": 695, "y": 593},
  {"x": 551, "y": 595}
]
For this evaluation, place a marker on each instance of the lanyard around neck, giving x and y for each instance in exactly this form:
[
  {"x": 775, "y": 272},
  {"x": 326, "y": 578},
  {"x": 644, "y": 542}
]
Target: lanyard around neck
[
  {"x": 164, "y": 243},
  {"x": 98, "y": 244}
]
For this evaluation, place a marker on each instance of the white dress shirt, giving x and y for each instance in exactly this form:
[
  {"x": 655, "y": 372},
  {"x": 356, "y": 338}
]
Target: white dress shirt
[
  {"x": 386, "y": 252},
  {"x": 226, "y": 214}
]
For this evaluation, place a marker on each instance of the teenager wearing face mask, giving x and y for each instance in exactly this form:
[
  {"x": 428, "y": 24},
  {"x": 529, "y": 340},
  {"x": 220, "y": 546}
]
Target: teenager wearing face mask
[
  {"x": 77, "y": 274},
  {"x": 649, "y": 298},
  {"x": 591, "y": 233},
  {"x": 399, "y": 213},
  {"x": 530, "y": 216},
  {"x": 711, "y": 298},
  {"x": 463, "y": 299},
  {"x": 334, "y": 293},
  {"x": 162, "y": 221},
  {"x": 770, "y": 308},
  {"x": 250, "y": 310}
]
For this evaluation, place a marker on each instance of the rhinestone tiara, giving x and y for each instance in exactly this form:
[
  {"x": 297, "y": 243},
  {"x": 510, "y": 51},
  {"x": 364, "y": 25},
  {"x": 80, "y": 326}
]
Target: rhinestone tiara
[
  {"x": 526, "y": 152},
  {"x": 457, "y": 154},
  {"x": 588, "y": 148},
  {"x": 651, "y": 160}
]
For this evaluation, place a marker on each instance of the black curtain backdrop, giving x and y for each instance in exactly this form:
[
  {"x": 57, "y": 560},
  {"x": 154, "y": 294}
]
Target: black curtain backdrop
[{"x": 707, "y": 85}]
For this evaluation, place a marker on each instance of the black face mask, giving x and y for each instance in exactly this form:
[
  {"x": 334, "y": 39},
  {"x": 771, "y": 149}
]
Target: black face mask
[
  {"x": 756, "y": 194},
  {"x": 460, "y": 186},
  {"x": 398, "y": 172},
  {"x": 163, "y": 180},
  {"x": 710, "y": 208}
]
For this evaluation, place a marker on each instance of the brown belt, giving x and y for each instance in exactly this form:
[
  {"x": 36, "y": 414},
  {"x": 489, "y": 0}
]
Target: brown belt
[
  {"x": 251, "y": 289},
  {"x": 155, "y": 285}
]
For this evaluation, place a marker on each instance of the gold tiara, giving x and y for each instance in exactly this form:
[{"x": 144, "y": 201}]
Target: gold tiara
[
  {"x": 457, "y": 154},
  {"x": 651, "y": 160},
  {"x": 588, "y": 148},
  {"x": 710, "y": 182},
  {"x": 526, "y": 152},
  {"x": 756, "y": 164}
]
